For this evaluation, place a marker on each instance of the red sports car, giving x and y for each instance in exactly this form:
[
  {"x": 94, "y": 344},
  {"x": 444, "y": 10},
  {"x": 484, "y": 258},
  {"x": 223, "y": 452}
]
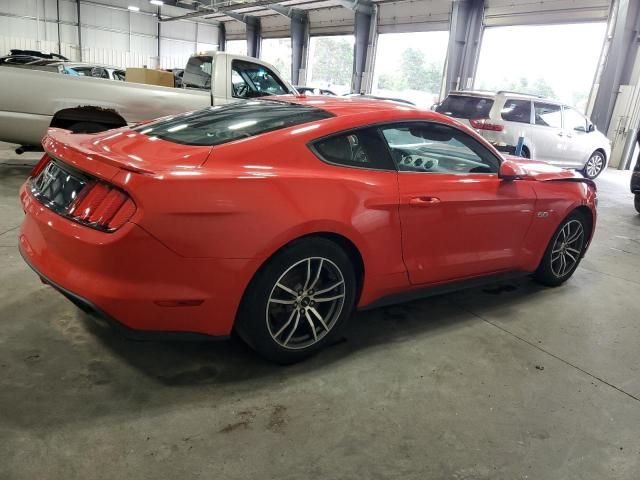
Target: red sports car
[{"x": 276, "y": 218}]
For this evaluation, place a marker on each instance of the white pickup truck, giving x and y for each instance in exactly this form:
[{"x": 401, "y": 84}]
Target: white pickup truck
[{"x": 31, "y": 100}]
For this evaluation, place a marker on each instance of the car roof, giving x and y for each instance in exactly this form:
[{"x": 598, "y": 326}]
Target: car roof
[{"x": 504, "y": 93}]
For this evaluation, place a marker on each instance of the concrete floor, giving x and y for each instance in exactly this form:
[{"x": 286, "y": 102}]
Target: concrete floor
[{"x": 513, "y": 382}]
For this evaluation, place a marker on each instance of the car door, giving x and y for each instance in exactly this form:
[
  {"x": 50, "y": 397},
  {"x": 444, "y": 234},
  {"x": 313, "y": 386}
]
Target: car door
[
  {"x": 458, "y": 218},
  {"x": 549, "y": 141},
  {"x": 576, "y": 133}
]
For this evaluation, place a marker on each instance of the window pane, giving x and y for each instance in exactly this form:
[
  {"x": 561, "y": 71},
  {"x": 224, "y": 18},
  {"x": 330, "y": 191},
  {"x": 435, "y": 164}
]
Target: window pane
[
  {"x": 464, "y": 106},
  {"x": 517, "y": 111},
  {"x": 436, "y": 148},
  {"x": 197, "y": 74},
  {"x": 574, "y": 121},
  {"x": 331, "y": 63},
  {"x": 362, "y": 148},
  {"x": 250, "y": 80},
  {"x": 277, "y": 51},
  {"x": 216, "y": 125},
  {"x": 410, "y": 66},
  {"x": 527, "y": 59},
  {"x": 548, "y": 115},
  {"x": 237, "y": 47}
]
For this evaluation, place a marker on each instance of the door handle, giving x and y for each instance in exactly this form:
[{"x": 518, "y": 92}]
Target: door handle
[{"x": 424, "y": 201}]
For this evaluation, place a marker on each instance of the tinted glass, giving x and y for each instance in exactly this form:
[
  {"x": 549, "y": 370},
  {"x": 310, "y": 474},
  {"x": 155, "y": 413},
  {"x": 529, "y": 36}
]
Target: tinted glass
[
  {"x": 517, "y": 111},
  {"x": 574, "y": 121},
  {"x": 250, "y": 80},
  {"x": 548, "y": 115},
  {"x": 197, "y": 74},
  {"x": 216, "y": 125},
  {"x": 436, "y": 148},
  {"x": 361, "y": 148},
  {"x": 462, "y": 106}
]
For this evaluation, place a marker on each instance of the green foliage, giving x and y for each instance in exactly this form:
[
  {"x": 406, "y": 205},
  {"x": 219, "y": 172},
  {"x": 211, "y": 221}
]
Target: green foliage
[
  {"x": 414, "y": 74},
  {"x": 522, "y": 85},
  {"x": 333, "y": 60}
]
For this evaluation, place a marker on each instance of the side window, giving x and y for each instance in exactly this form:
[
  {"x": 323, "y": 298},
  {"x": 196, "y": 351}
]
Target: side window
[
  {"x": 250, "y": 80},
  {"x": 361, "y": 148},
  {"x": 517, "y": 111},
  {"x": 437, "y": 148},
  {"x": 548, "y": 115},
  {"x": 574, "y": 120}
]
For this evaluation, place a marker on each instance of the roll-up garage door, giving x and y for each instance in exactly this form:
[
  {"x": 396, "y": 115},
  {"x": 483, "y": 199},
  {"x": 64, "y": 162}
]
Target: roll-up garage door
[{"x": 538, "y": 12}]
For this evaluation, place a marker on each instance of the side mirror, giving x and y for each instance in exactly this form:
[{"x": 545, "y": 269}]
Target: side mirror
[
  {"x": 434, "y": 107},
  {"x": 592, "y": 128},
  {"x": 510, "y": 170}
]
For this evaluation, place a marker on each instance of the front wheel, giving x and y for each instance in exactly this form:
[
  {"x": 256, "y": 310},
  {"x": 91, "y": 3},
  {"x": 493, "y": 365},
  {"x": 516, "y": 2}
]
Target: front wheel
[
  {"x": 594, "y": 165},
  {"x": 564, "y": 251},
  {"x": 299, "y": 301},
  {"x": 636, "y": 202}
]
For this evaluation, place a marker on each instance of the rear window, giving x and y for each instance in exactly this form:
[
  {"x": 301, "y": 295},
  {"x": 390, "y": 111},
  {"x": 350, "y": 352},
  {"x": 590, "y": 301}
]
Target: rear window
[
  {"x": 221, "y": 124},
  {"x": 463, "y": 106}
]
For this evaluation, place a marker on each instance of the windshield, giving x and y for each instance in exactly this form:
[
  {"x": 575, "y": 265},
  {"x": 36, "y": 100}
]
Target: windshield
[
  {"x": 465, "y": 106},
  {"x": 221, "y": 124}
]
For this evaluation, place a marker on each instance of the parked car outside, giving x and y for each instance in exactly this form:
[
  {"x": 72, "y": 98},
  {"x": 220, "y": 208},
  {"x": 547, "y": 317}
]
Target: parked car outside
[
  {"x": 552, "y": 131},
  {"x": 78, "y": 69},
  {"x": 276, "y": 218},
  {"x": 314, "y": 91}
]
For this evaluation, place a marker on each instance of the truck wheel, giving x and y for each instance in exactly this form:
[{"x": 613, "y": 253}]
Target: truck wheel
[
  {"x": 636, "y": 202},
  {"x": 88, "y": 127}
]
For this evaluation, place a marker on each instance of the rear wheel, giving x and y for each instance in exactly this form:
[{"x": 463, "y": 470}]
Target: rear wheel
[
  {"x": 88, "y": 127},
  {"x": 564, "y": 251},
  {"x": 299, "y": 301},
  {"x": 636, "y": 202},
  {"x": 594, "y": 165}
]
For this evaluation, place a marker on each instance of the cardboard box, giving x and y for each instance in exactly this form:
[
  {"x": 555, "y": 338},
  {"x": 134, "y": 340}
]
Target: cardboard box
[{"x": 150, "y": 76}]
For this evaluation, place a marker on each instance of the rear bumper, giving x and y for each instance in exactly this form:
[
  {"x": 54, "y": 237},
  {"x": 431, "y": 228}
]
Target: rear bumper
[{"x": 130, "y": 276}]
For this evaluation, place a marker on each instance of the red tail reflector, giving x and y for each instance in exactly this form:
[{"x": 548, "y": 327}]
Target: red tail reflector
[
  {"x": 482, "y": 124},
  {"x": 102, "y": 206},
  {"x": 40, "y": 166}
]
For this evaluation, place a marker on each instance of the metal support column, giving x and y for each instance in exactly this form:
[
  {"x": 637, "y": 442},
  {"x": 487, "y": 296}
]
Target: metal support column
[
  {"x": 79, "y": 29},
  {"x": 465, "y": 39},
  {"x": 363, "y": 26},
  {"x": 299, "y": 48},
  {"x": 254, "y": 36},
  {"x": 222, "y": 37},
  {"x": 619, "y": 62}
]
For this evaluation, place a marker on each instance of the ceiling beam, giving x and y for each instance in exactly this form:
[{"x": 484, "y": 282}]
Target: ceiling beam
[{"x": 361, "y": 6}]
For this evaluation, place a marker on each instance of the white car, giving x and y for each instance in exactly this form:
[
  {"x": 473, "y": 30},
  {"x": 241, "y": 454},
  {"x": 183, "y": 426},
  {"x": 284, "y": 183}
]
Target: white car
[{"x": 551, "y": 131}]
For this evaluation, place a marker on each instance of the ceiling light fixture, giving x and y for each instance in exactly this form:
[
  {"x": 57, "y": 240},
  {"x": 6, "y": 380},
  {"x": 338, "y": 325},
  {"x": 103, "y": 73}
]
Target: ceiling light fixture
[
  {"x": 133, "y": 8},
  {"x": 156, "y": 2}
]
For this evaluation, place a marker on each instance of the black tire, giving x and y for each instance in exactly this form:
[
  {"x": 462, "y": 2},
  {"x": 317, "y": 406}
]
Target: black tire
[
  {"x": 258, "y": 316},
  {"x": 549, "y": 273},
  {"x": 88, "y": 127},
  {"x": 526, "y": 153},
  {"x": 595, "y": 165},
  {"x": 636, "y": 202}
]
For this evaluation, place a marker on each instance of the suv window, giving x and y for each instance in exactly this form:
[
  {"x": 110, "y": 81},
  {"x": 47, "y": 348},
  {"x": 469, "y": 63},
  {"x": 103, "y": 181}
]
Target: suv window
[
  {"x": 250, "y": 80},
  {"x": 197, "y": 73},
  {"x": 548, "y": 114},
  {"x": 465, "y": 106},
  {"x": 221, "y": 124},
  {"x": 517, "y": 111},
  {"x": 437, "y": 148},
  {"x": 574, "y": 120},
  {"x": 359, "y": 148}
]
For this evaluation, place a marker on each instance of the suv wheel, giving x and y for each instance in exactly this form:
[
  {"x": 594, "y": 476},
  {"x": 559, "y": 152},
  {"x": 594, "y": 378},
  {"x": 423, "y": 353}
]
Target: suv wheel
[
  {"x": 594, "y": 165},
  {"x": 636, "y": 202}
]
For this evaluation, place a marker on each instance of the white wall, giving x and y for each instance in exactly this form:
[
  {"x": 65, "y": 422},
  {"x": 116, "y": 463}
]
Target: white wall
[{"x": 111, "y": 34}]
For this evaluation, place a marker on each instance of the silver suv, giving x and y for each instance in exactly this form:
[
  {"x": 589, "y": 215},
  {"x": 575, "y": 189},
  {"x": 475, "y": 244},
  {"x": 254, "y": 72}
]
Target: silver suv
[{"x": 553, "y": 132}]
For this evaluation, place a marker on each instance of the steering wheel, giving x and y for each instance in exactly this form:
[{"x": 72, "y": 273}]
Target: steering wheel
[{"x": 418, "y": 162}]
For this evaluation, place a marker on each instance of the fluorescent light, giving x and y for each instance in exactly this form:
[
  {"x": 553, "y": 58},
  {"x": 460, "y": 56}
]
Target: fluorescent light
[
  {"x": 156, "y": 2},
  {"x": 133, "y": 8}
]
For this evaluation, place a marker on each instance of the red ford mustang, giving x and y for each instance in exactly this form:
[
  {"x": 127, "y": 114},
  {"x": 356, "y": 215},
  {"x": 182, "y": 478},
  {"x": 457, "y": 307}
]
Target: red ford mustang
[{"x": 278, "y": 217}]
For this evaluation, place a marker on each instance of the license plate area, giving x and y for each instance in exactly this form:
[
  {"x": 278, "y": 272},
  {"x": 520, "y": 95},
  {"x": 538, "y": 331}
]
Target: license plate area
[{"x": 58, "y": 187}]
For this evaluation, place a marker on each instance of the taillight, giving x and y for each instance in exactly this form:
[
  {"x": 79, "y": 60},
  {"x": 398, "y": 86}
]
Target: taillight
[
  {"x": 40, "y": 165},
  {"x": 102, "y": 206},
  {"x": 482, "y": 124}
]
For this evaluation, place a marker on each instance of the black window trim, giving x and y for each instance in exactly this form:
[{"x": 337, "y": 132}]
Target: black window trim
[{"x": 394, "y": 168}]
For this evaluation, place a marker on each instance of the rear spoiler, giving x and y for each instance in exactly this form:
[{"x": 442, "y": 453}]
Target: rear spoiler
[{"x": 579, "y": 179}]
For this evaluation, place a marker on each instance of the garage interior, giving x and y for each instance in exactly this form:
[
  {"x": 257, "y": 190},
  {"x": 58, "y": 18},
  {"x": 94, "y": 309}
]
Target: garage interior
[{"x": 511, "y": 381}]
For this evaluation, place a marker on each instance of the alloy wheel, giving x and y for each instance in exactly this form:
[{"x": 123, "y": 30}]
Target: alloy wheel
[
  {"x": 567, "y": 248},
  {"x": 305, "y": 303},
  {"x": 594, "y": 165}
]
